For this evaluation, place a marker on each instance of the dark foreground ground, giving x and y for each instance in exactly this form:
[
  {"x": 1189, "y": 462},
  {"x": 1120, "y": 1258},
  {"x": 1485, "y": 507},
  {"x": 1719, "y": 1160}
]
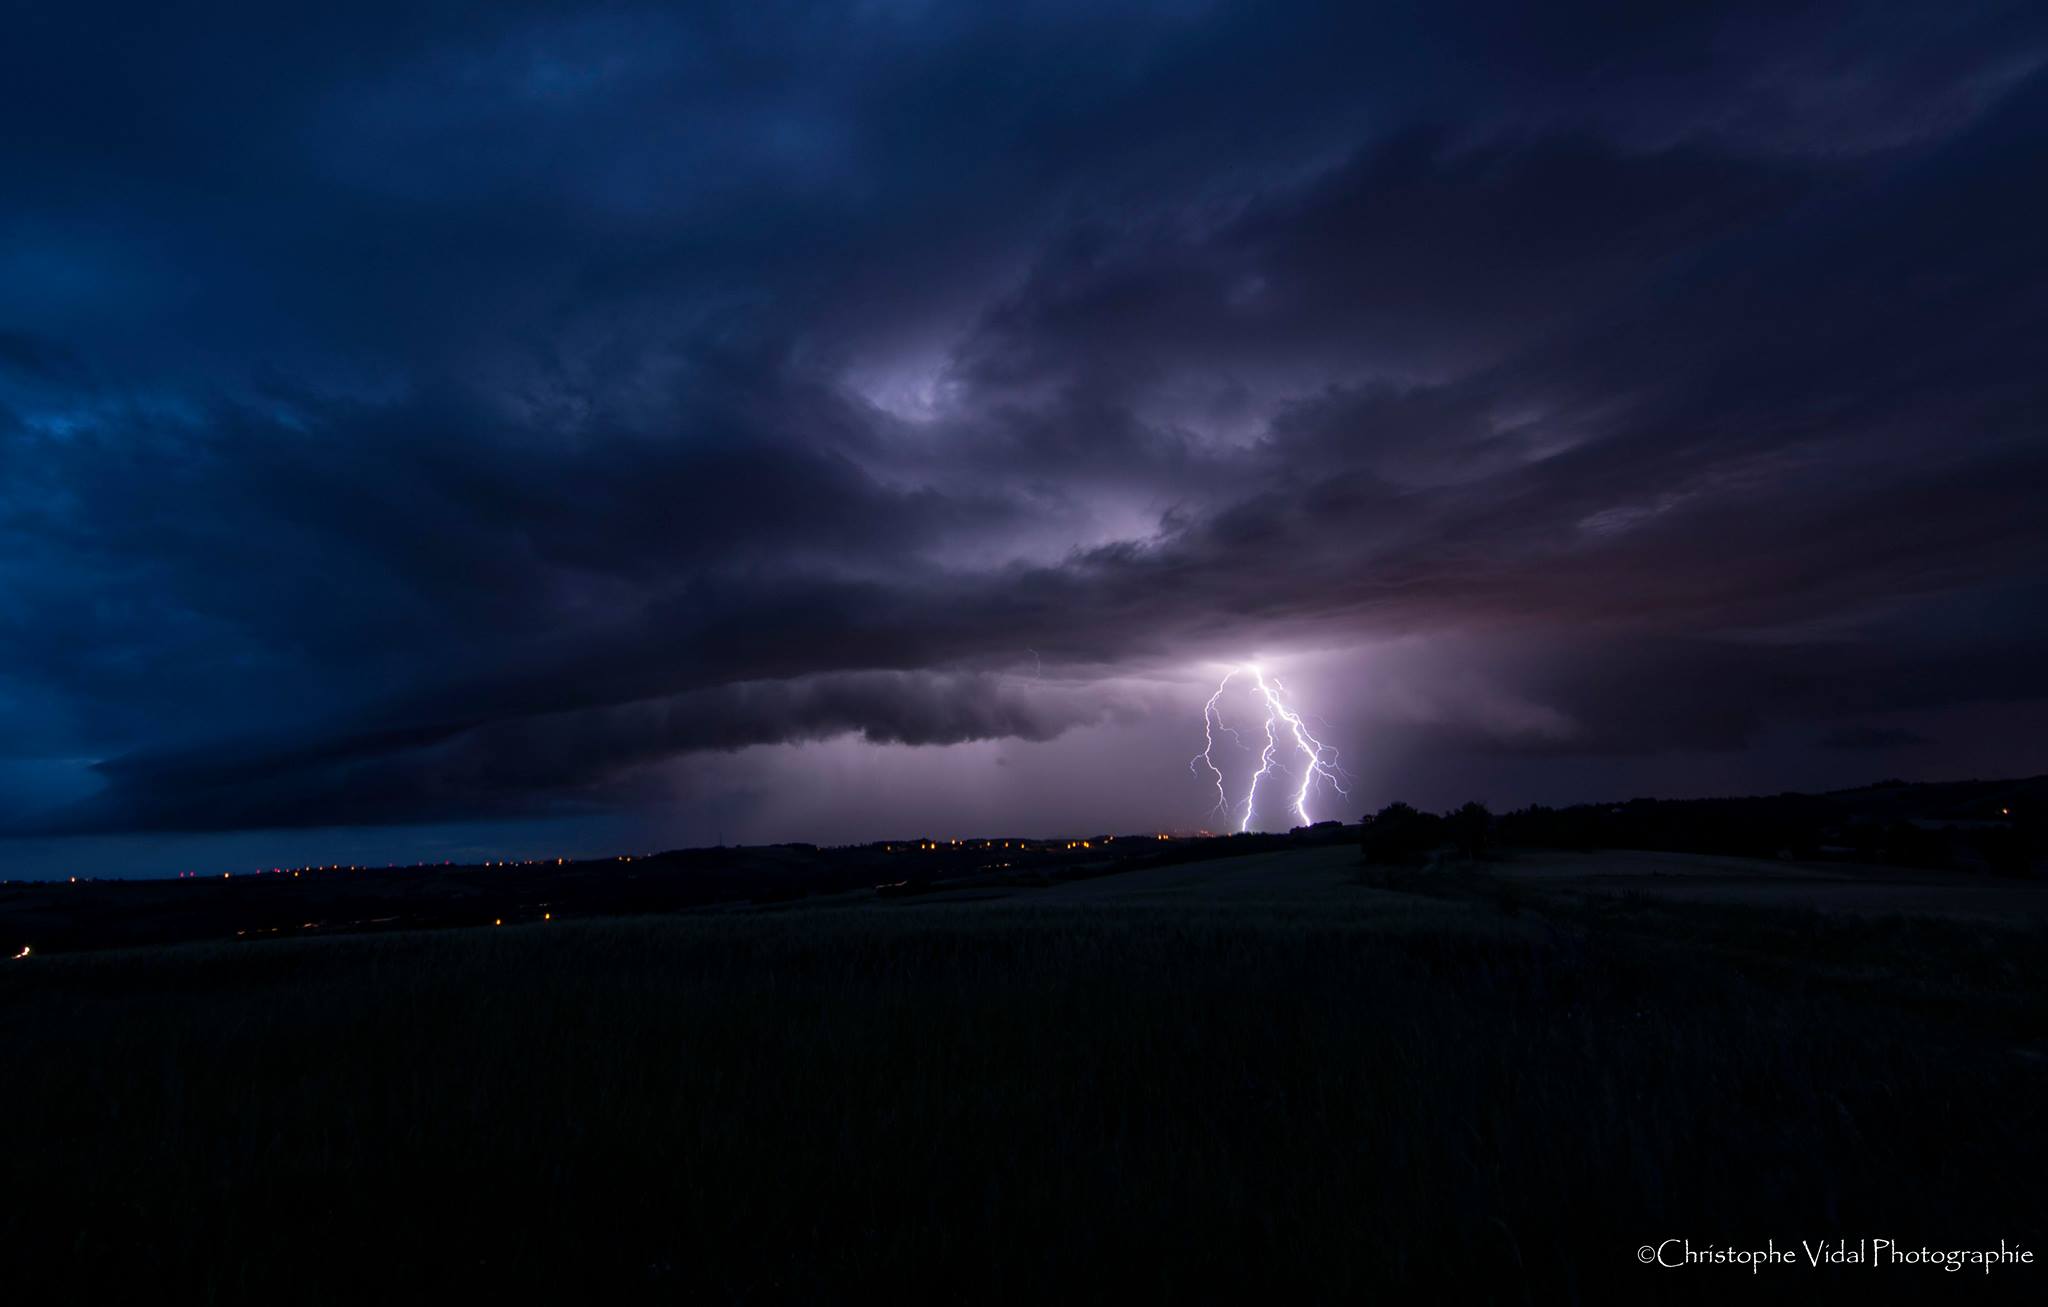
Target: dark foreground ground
[{"x": 1253, "y": 1076}]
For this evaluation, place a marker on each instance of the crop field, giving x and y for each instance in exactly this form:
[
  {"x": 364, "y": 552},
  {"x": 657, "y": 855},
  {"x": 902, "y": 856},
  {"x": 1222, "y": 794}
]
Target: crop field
[{"x": 1274, "y": 1074}]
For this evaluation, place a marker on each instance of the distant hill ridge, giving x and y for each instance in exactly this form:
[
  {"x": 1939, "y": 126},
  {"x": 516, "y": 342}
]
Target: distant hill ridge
[{"x": 1974, "y": 825}]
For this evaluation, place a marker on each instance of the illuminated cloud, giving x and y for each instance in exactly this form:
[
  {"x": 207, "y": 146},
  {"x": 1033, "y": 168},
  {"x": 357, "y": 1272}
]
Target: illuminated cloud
[{"x": 433, "y": 415}]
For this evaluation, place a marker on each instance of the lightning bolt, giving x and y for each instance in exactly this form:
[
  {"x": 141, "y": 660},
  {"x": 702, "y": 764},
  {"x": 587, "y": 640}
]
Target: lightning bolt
[
  {"x": 1212, "y": 722},
  {"x": 1281, "y": 721}
]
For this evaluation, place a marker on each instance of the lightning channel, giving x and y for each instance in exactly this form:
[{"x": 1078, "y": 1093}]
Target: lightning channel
[
  {"x": 1212, "y": 721},
  {"x": 1283, "y": 723}
]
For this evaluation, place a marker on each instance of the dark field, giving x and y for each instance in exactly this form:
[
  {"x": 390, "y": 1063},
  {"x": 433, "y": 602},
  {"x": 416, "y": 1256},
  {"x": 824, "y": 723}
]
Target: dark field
[{"x": 1187, "y": 1083}]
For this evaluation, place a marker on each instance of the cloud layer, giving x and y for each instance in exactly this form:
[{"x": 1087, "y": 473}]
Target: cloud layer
[{"x": 437, "y": 415}]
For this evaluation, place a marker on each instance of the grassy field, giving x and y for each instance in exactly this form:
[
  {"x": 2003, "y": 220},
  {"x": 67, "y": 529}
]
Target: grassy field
[{"x": 1257, "y": 1075}]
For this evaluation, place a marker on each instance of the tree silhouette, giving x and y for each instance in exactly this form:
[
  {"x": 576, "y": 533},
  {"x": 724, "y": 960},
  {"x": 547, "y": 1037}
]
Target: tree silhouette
[
  {"x": 1472, "y": 829},
  {"x": 1399, "y": 833}
]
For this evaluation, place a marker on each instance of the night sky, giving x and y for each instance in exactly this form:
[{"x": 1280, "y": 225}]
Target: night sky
[{"x": 440, "y": 431}]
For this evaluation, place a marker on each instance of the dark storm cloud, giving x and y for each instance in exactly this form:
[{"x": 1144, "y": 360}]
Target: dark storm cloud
[
  {"x": 437, "y": 414},
  {"x": 1417, "y": 258},
  {"x": 564, "y": 761},
  {"x": 1872, "y": 737},
  {"x": 35, "y": 358}
]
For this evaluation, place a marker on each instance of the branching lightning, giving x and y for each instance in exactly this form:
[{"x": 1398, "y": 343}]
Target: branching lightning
[
  {"x": 1282, "y": 722},
  {"x": 1212, "y": 721}
]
